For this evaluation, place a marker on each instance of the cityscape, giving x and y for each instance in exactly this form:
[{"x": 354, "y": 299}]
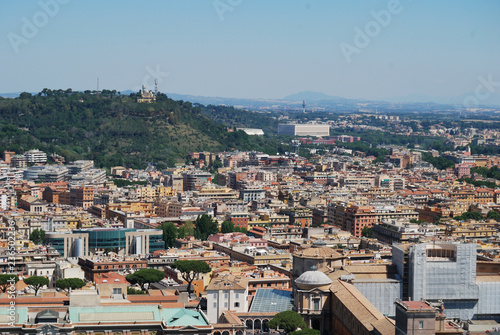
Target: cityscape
[{"x": 227, "y": 167}]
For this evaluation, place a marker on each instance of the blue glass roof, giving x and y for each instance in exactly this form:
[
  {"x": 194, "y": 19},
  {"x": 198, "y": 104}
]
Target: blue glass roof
[{"x": 266, "y": 300}]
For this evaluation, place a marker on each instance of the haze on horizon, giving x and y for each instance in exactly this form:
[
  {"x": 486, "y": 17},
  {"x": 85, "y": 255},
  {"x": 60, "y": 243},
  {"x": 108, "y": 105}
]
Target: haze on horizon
[{"x": 252, "y": 48}]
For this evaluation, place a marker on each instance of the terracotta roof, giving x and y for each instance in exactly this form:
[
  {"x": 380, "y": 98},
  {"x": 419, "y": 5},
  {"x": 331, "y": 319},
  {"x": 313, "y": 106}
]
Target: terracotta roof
[
  {"x": 228, "y": 283},
  {"x": 357, "y": 304},
  {"x": 385, "y": 326}
]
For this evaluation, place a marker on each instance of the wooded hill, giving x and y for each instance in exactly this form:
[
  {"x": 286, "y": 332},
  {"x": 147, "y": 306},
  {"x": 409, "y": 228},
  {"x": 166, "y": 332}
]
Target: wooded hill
[{"x": 113, "y": 129}]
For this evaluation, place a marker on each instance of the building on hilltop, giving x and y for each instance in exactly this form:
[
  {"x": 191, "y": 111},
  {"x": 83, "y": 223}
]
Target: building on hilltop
[{"x": 146, "y": 95}]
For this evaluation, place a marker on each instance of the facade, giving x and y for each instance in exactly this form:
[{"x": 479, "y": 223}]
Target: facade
[
  {"x": 304, "y": 129},
  {"x": 194, "y": 180},
  {"x": 35, "y": 157},
  {"x": 226, "y": 293},
  {"x": 124, "y": 241},
  {"x": 311, "y": 298}
]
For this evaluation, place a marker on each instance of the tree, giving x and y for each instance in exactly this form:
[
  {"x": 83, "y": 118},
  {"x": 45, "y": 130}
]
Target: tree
[
  {"x": 36, "y": 282},
  {"x": 70, "y": 283},
  {"x": 227, "y": 227},
  {"x": 145, "y": 276},
  {"x": 7, "y": 280},
  {"x": 190, "y": 269},
  {"x": 493, "y": 215},
  {"x": 289, "y": 321},
  {"x": 169, "y": 234},
  {"x": 367, "y": 232},
  {"x": 37, "y": 236},
  {"x": 469, "y": 216},
  {"x": 205, "y": 226},
  {"x": 187, "y": 229}
]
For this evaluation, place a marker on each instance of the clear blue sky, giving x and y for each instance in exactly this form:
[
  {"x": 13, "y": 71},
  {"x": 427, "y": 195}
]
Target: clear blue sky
[{"x": 253, "y": 49}]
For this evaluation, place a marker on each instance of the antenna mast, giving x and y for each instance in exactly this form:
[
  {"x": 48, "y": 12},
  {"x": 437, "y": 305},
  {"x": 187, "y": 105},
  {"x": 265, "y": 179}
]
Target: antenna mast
[{"x": 156, "y": 86}]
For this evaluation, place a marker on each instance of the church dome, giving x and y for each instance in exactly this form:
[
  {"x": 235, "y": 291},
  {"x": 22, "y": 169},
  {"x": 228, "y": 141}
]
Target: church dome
[{"x": 313, "y": 278}]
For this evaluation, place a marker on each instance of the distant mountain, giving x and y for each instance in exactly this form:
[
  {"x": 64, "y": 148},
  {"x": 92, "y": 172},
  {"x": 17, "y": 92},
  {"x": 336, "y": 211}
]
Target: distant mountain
[{"x": 310, "y": 95}]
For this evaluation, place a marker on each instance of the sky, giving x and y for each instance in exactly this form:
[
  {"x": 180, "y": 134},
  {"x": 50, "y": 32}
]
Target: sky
[{"x": 367, "y": 49}]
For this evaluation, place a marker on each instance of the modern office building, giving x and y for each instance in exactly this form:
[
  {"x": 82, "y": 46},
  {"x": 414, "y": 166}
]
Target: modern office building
[
  {"x": 304, "y": 129},
  {"x": 123, "y": 241}
]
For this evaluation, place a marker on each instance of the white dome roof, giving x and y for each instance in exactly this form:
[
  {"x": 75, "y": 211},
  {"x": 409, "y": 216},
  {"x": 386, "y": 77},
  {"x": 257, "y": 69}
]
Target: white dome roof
[{"x": 313, "y": 277}]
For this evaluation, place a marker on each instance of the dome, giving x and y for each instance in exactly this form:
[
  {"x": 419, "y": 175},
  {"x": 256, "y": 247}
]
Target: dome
[
  {"x": 313, "y": 278},
  {"x": 318, "y": 244}
]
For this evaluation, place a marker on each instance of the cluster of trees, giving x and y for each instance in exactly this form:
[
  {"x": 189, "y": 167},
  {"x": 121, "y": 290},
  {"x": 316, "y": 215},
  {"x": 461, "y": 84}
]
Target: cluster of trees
[
  {"x": 440, "y": 163},
  {"x": 290, "y": 321},
  {"x": 37, "y": 236},
  {"x": 479, "y": 183},
  {"x": 469, "y": 216},
  {"x": 203, "y": 226},
  {"x": 493, "y": 215},
  {"x": 229, "y": 227},
  {"x": 494, "y": 172}
]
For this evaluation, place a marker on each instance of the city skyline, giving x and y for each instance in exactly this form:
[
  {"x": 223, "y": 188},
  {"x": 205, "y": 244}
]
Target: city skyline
[{"x": 377, "y": 50}]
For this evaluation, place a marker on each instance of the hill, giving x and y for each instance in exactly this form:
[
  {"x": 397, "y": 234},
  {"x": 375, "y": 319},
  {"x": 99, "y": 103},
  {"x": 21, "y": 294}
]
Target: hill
[{"x": 113, "y": 129}]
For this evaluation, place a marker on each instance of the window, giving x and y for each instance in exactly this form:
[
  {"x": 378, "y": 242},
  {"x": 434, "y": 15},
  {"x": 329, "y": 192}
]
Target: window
[
  {"x": 225, "y": 304},
  {"x": 117, "y": 290},
  {"x": 215, "y": 305},
  {"x": 225, "y": 295},
  {"x": 237, "y": 295},
  {"x": 316, "y": 304},
  {"x": 236, "y": 304},
  {"x": 421, "y": 325},
  {"x": 215, "y": 295}
]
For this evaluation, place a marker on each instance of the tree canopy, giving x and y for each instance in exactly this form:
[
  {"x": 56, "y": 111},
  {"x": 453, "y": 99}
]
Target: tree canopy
[
  {"x": 36, "y": 282},
  {"x": 493, "y": 215},
  {"x": 229, "y": 227},
  {"x": 289, "y": 321},
  {"x": 37, "y": 236},
  {"x": 6, "y": 280},
  {"x": 169, "y": 233},
  {"x": 367, "y": 232},
  {"x": 469, "y": 216},
  {"x": 70, "y": 283},
  {"x": 190, "y": 269},
  {"x": 145, "y": 276},
  {"x": 204, "y": 226}
]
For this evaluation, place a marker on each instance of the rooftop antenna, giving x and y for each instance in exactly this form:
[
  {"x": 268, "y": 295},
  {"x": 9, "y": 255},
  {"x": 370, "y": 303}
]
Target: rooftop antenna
[
  {"x": 303, "y": 106},
  {"x": 156, "y": 86}
]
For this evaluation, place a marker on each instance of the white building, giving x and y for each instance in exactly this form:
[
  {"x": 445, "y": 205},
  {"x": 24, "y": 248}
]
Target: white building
[
  {"x": 35, "y": 157},
  {"x": 307, "y": 129},
  {"x": 226, "y": 293},
  {"x": 66, "y": 270}
]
